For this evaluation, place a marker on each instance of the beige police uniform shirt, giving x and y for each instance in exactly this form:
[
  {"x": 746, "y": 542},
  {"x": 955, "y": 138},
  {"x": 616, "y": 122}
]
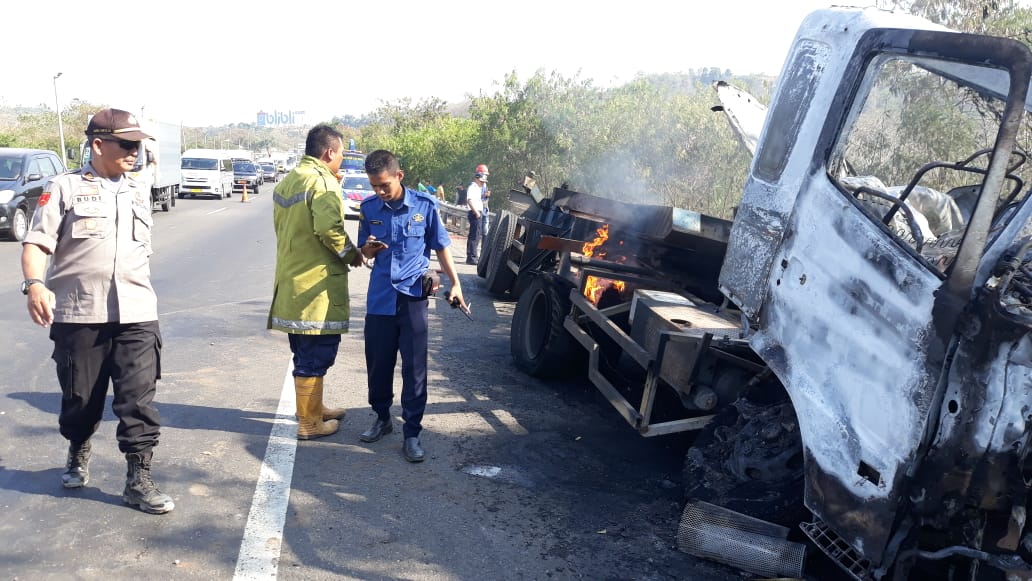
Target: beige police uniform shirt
[{"x": 98, "y": 233}]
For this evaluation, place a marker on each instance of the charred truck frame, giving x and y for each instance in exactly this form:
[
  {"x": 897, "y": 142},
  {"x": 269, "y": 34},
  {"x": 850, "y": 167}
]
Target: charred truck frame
[{"x": 857, "y": 338}]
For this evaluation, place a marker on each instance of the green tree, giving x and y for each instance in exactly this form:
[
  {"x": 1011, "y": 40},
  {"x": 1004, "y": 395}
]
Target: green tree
[
  {"x": 534, "y": 125},
  {"x": 426, "y": 138}
]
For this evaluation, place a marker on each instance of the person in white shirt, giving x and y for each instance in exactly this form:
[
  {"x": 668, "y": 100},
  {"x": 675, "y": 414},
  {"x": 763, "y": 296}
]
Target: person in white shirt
[{"x": 475, "y": 202}]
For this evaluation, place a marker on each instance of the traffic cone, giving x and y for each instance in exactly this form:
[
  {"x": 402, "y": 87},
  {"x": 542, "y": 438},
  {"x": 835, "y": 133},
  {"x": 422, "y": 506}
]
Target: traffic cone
[{"x": 243, "y": 198}]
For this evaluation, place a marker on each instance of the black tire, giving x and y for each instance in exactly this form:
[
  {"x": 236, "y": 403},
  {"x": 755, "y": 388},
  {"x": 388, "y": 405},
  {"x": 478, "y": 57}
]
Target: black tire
[
  {"x": 166, "y": 206},
  {"x": 485, "y": 252},
  {"x": 499, "y": 276},
  {"x": 749, "y": 459},
  {"x": 540, "y": 345},
  {"x": 19, "y": 225}
]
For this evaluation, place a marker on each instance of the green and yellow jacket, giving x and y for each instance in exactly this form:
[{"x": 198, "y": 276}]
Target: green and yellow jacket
[{"x": 313, "y": 252}]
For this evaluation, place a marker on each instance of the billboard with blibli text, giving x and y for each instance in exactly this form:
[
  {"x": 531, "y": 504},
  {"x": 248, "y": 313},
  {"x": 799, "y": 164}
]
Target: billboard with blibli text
[{"x": 280, "y": 118}]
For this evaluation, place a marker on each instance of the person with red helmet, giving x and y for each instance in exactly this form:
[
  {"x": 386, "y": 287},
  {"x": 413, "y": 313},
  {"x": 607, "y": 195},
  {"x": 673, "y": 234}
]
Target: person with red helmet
[
  {"x": 476, "y": 198},
  {"x": 485, "y": 193}
]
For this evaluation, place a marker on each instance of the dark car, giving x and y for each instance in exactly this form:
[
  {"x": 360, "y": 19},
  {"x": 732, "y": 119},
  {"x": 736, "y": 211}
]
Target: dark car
[
  {"x": 23, "y": 173},
  {"x": 269, "y": 171},
  {"x": 245, "y": 173}
]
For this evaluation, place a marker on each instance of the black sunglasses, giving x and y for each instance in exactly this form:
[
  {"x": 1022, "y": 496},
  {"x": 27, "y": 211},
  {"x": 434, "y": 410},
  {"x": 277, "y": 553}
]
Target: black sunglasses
[{"x": 126, "y": 145}]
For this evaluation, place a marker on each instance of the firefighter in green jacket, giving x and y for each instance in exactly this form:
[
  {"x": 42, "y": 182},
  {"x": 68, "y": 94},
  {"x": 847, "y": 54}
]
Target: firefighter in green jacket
[{"x": 313, "y": 255}]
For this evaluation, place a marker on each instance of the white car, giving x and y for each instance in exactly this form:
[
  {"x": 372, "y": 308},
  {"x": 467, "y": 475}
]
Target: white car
[{"x": 356, "y": 187}]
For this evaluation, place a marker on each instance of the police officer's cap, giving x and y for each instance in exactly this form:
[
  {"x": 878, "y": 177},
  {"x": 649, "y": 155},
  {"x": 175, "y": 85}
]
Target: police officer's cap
[{"x": 115, "y": 123}]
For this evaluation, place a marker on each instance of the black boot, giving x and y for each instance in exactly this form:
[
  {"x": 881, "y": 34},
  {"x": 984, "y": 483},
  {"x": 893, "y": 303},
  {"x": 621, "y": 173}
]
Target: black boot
[
  {"x": 380, "y": 429},
  {"x": 77, "y": 468},
  {"x": 140, "y": 490}
]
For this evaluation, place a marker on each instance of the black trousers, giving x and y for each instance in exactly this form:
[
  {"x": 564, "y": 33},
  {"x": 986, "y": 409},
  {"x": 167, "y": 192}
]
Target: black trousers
[
  {"x": 385, "y": 337},
  {"x": 88, "y": 358},
  {"x": 473, "y": 239}
]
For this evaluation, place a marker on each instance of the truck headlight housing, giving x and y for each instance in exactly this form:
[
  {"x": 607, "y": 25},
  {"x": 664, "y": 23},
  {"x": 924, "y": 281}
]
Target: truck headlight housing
[{"x": 6, "y": 196}]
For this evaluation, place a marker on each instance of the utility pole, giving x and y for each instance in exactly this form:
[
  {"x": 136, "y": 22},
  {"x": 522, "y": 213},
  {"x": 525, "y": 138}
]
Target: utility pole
[{"x": 60, "y": 124}]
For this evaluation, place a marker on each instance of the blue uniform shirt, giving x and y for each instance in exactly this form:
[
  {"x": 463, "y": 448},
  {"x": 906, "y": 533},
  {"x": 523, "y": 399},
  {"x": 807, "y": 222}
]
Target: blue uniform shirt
[{"x": 410, "y": 232}]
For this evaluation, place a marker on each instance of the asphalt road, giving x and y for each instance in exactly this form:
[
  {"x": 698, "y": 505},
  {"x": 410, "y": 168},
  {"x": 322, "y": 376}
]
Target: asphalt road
[{"x": 523, "y": 480}]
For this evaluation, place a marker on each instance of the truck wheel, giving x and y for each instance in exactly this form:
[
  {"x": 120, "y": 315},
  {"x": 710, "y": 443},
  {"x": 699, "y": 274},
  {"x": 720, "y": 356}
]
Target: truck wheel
[
  {"x": 539, "y": 343},
  {"x": 499, "y": 276},
  {"x": 750, "y": 459},
  {"x": 485, "y": 253},
  {"x": 19, "y": 225},
  {"x": 166, "y": 204}
]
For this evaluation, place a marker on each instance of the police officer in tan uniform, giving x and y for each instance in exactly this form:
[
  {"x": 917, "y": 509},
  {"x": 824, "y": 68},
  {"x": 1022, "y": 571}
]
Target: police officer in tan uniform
[{"x": 97, "y": 299}]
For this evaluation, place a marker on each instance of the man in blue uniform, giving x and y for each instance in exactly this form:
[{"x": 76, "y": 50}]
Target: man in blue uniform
[{"x": 398, "y": 227}]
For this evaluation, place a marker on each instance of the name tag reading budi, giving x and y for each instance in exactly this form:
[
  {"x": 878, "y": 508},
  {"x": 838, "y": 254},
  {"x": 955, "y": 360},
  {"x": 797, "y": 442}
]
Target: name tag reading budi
[{"x": 87, "y": 195}]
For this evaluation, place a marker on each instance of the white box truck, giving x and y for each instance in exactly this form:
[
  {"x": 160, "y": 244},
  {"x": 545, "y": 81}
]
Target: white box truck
[{"x": 162, "y": 158}]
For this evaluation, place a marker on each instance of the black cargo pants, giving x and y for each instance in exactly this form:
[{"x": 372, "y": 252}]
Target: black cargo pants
[{"x": 88, "y": 357}]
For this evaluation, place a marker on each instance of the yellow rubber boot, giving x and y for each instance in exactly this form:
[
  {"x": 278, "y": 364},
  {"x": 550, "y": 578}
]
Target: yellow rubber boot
[
  {"x": 308, "y": 391},
  {"x": 331, "y": 413}
]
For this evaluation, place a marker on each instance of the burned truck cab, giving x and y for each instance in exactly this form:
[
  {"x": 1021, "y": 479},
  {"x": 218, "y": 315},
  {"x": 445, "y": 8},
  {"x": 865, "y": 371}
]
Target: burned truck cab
[{"x": 882, "y": 256}]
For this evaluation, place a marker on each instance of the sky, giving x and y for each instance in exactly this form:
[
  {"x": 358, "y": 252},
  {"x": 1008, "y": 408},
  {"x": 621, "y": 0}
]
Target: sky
[{"x": 215, "y": 62}]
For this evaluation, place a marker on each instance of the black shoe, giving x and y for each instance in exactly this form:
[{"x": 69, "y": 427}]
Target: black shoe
[
  {"x": 77, "y": 468},
  {"x": 473, "y": 261},
  {"x": 412, "y": 450},
  {"x": 380, "y": 429}
]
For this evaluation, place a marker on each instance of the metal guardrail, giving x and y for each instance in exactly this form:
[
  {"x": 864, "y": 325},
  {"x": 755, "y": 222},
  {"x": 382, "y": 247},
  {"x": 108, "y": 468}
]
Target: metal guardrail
[{"x": 456, "y": 218}]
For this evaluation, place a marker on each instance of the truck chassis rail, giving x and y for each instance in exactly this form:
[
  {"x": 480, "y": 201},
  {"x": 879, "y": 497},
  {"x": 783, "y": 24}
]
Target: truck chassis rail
[{"x": 639, "y": 418}]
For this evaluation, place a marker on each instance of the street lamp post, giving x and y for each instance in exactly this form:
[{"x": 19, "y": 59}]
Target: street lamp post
[{"x": 60, "y": 124}]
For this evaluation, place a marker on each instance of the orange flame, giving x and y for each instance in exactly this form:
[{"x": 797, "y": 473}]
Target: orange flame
[
  {"x": 601, "y": 235},
  {"x": 594, "y": 286}
]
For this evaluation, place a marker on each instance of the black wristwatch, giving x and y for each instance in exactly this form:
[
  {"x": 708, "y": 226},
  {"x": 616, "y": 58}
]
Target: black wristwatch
[{"x": 29, "y": 282}]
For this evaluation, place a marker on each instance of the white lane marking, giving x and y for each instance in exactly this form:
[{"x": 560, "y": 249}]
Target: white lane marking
[
  {"x": 263, "y": 535},
  {"x": 222, "y": 209},
  {"x": 208, "y": 308}
]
